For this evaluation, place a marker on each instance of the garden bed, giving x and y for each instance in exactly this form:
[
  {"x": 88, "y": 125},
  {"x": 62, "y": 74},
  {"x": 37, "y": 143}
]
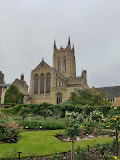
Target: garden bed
[
  {"x": 63, "y": 139},
  {"x": 92, "y": 154}
]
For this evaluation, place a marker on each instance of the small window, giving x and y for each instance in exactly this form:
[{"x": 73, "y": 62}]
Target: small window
[
  {"x": 59, "y": 98},
  {"x": 59, "y": 64},
  {"x": 64, "y": 63},
  {"x": 111, "y": 99}
]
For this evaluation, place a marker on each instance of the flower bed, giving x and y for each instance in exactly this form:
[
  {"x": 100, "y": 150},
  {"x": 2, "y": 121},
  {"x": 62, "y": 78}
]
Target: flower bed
[{"x": 84, "y": 135}]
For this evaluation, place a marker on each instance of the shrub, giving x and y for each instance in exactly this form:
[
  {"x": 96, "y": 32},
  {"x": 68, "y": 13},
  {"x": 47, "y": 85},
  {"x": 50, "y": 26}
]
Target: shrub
[
  {"x": 80, "y": 154},
  {"x": 45, "y": 125},
  {"x": 96, "y": 115},
  {"x": 56, "y": 156},
  {"x": 8, "y": 131}
]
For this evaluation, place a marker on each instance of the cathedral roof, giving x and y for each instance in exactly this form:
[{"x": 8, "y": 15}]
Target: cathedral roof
[{"x": 42, "y": 63}]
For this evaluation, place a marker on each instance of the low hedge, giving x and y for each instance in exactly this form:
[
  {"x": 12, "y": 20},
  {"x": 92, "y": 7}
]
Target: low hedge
[{"x": 52, "y": 125}]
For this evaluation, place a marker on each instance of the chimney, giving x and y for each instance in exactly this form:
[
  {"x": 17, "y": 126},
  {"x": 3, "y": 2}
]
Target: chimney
[
  {"x": 22, "y": 77},
  {"x": 85, "y": 75}
]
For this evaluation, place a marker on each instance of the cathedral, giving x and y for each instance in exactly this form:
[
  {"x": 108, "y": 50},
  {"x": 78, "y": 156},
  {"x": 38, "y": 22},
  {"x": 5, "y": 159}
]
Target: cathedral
[{"x": 54, "y": 84}]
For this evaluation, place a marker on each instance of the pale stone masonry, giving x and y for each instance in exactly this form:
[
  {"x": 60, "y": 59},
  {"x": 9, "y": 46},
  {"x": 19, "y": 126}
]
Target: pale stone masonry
[
  {"x": 54, "y": 84},
  {"x": 21, "y": 85}
]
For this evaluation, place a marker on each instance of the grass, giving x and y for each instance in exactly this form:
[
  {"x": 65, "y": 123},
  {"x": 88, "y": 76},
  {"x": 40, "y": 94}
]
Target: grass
[{"x": 43, "y": 143}]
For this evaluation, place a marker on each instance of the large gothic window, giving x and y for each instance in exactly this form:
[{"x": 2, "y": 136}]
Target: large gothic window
[
  {"x": 59, "y": 98},
  {"x": 42, "y": 84},
  {"x": 36, "y": 84},
  {"x": 59, "y": 64},
  {"x": 64, "y": 63},
  {"x": 48, "y": 83}
]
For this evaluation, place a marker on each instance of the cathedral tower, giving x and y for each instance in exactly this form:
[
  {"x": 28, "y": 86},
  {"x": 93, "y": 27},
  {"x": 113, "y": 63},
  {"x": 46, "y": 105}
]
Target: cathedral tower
[{"x": 64, "y": 60}]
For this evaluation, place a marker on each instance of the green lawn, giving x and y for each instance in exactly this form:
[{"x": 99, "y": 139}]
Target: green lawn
[{"x": 44, "y": 143}]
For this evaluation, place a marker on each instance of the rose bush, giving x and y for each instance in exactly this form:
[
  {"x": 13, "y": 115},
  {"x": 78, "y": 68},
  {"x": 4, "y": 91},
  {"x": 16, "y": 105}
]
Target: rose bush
[{"x": 9, "y": 131}]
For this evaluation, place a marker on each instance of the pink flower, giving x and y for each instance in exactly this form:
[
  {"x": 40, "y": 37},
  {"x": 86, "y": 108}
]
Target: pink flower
[
  {"x": 44, "y": 109},
  {"x": 13, "y": 122}
]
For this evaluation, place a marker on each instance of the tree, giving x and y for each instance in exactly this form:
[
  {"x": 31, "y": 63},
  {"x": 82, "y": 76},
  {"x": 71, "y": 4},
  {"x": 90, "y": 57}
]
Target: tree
[
  {"x": 86, "y": 96},
  {"x": 45, "y": 112},
  {"x": 113, "y": 122},
  {"x": 73, "y": 121},
  {"x": 13, "y": 95},
  {"x": 24, "y": 111}
]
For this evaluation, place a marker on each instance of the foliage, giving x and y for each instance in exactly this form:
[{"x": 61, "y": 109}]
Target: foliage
[
  {"x": 10, "y": 155},
  {"x": 80, "y": 154},
  {"x": 37, "y": 109},
  {"x": 85, "y": 96},
  {"x": 24, "y": 111},
  {"x": 45, "y": 112},
  {"x": 73, "y": 121},
  {"x": 56, "y": 156},
  {"x": 8, "y": 131},
  {"x": 108, "y": 157},
  {"x": 13, "y": 95},
  {"x": 113, "y": 122},
  {"x": 96, "y": 115},
  {"x": 31, "y": 156},
  {"x": 101, "y": 147},
  {"x": 56, "y": 112},
  {"x": 52, "y": 125}
]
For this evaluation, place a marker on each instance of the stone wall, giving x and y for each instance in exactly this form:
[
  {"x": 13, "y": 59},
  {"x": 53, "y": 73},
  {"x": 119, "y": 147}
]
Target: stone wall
[{"x": 21, "y": 85}]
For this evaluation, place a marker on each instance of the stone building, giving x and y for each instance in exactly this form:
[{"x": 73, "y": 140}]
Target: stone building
[
  {"x": 1, "y": 84},
  {"x": 54, "y": 84},
  {"x": 21, "y": 85},
  {"x": 112, "y": 94}
]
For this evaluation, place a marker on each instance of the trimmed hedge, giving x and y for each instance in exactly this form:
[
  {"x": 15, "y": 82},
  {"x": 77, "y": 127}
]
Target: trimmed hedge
[{"x": 52, "y": 125}]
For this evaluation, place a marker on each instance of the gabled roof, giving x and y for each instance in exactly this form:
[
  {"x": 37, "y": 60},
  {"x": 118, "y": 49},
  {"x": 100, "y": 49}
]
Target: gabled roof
[
  {"x": 42, "y": 62},
  {"x": 113, "y": 91}
]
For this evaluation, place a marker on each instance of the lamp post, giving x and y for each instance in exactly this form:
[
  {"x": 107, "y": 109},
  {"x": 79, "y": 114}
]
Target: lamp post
[
  {"x": 40, "y": 128},
  {"x": 88, "y": 147},
  {"x": 64, "y": 156},
  {"x": 19, "y": 154}
]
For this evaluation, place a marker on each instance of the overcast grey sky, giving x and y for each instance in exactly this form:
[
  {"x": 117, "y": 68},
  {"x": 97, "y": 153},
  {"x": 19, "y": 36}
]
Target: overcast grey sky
[{"x": 28, "y": 29}]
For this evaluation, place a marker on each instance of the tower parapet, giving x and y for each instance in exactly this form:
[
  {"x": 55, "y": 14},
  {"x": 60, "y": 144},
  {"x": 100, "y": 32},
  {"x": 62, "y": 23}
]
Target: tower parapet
[{"x": 64, "y": 60}]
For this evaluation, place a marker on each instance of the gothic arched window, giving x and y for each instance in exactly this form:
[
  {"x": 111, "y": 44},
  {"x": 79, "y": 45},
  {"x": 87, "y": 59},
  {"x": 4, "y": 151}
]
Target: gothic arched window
[
  {"x": 36, "y": 84},
  {"x": 47, "y": 83},
  {"x": 56, "y": 80},
  {"x": 59, "y": 64},
  {"x": 64, "y": 63},
  {"x": 42, "y": 84},
  {"x": 59, "y": 98}
]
